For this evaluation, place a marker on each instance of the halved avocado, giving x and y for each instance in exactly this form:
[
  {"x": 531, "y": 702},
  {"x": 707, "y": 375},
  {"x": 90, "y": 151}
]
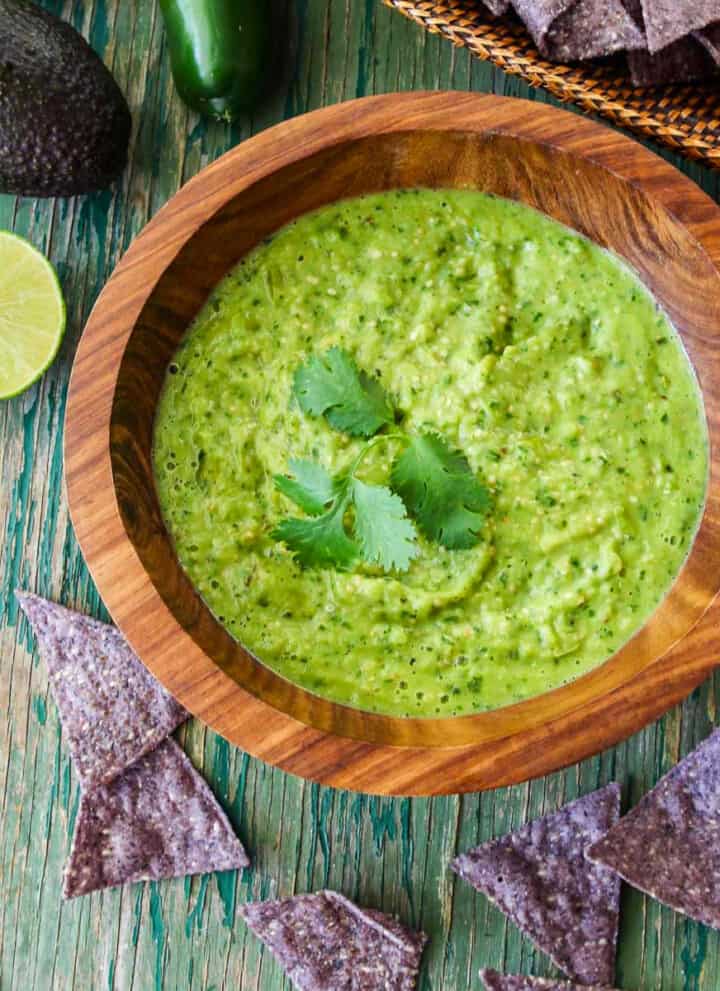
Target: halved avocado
[{"x": 64, "y": 124}]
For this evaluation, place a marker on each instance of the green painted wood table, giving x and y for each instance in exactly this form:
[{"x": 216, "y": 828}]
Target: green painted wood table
[{"x": 393, "y": 854}]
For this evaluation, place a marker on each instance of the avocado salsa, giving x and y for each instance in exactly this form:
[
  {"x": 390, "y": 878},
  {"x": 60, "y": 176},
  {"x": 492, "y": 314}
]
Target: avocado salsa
[{"x": 539, "y": 355}]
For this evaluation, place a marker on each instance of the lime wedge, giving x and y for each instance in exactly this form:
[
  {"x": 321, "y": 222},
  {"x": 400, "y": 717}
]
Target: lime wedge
[{"x": 32, "y": 314}]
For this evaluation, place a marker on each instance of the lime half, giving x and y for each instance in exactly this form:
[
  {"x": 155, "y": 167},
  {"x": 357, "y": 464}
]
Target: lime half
[{"x": 32, "y": 314}]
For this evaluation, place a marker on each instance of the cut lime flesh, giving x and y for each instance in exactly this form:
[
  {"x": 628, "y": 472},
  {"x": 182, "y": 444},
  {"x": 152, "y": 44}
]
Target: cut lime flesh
[{"x": 32, "y": 314}]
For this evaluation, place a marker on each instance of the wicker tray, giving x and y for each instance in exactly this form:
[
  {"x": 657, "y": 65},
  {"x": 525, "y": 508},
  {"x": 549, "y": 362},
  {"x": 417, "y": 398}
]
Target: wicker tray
[{"x": 685, "y": 118}]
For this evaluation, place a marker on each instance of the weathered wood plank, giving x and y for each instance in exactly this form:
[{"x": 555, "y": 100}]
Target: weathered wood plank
[{"x": 186, "y": 933}]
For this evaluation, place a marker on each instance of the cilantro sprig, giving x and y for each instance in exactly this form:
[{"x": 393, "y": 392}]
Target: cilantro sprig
[
  {"x": 350, "y": 519},
  {"x": 440, "y": 491},
  {"x": 332, "y": 385},
  {"x": 311, "y": 488},
  {"x": 382, "y": 532},
  {"x": 322, "y": 540}
]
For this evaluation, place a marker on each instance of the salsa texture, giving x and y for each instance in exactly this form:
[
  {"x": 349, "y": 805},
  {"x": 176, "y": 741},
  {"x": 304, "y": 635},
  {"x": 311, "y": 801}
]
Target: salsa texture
[{"x": 538, "y": 354}]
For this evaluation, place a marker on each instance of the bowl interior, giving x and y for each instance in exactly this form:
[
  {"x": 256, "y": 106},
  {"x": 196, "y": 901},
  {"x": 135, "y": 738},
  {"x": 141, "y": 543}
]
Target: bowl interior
[{"x": 570, "y": 188}]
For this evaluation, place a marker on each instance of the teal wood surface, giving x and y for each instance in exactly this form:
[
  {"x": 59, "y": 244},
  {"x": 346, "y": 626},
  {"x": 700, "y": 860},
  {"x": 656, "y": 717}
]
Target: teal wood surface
[{"x": 393, "y": 854}]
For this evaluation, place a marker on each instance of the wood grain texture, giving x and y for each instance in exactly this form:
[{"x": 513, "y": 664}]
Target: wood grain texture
[
  {"x": 596, "y": 181},
  {"x": 389, "y": 853}
]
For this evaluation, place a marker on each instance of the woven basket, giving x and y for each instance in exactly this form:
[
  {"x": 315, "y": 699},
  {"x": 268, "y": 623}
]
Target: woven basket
[{"x": 685, "y": 118}]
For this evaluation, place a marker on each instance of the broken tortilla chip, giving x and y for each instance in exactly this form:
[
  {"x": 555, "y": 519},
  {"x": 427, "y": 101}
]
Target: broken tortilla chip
[
  {"x": 157, "y": 820},
  {"x": 324, "y": 941},
  {"x": 709, "y": 38},
  {"x": 592, "y": 29},
  {"x": 540, "y": 15},
  {"x": 572, "y": 30},
  {"x": 539, "y": 877},
  {"x": 684, "y": 61},
  {"x": 669, "y": 845},
  {"x": 667, "y": 21},
  {"x": 495, "y": 981},
  {"x": 112, "y": 709}
]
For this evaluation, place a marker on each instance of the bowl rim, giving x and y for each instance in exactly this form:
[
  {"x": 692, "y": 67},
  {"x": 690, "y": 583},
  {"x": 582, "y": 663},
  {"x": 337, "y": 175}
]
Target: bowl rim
[{"x": 504, "y": 747}]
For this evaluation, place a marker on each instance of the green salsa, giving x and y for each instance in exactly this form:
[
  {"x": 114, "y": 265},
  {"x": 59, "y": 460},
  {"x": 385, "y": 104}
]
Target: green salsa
[{"x": 538, "y": 354}]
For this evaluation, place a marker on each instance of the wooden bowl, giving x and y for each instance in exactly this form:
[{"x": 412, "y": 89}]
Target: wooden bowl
[{"x": 590, "y": 178}]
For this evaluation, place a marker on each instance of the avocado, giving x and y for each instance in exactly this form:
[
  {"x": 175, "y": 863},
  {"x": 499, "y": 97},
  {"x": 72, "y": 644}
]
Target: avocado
[{"x": 64, "y": 124}]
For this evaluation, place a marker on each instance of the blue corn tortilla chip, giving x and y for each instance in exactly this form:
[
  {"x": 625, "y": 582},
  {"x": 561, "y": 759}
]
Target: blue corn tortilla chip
[
  {"x": 495, "y": 981},
  {"x": 684, "y": 61},
  {"x": 573, "y": 30},
  {"x": 157, "y": 820},
  {"x": 112, "y": 709},
  {"x": 324, "y": 942},
  {"x": 539, "y": 877},
  {"x": 592, "y": 29},
  {"x": 669, "y": 845},
  {"x": 710, "y": 40},
  {"x": 540, "y": 15},
  {"x": 497, "y": 7},
  {"x": 667, "y": 21},
  {"x": 634, "y": 9}
]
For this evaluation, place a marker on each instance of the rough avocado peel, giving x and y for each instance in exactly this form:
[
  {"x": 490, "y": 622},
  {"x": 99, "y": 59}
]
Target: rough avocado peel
[{"x": 64, "y": 124}]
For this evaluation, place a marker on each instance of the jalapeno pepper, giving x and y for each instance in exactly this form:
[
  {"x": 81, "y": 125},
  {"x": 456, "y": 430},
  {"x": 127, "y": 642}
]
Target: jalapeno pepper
[{"x": 219, "y": 52}]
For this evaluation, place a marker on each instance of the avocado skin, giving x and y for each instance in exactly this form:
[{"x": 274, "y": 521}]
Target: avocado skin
[{"x": 64, "y": 124}]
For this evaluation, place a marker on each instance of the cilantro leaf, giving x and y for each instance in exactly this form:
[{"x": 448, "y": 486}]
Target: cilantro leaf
[
  {"x": 311, "y": 489},
  {"x": 322, "y": 540},
  {"x": 333, "y": 385},
  {"x": 440, "y": 491},
  {"x": 385, "y": 534}
]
